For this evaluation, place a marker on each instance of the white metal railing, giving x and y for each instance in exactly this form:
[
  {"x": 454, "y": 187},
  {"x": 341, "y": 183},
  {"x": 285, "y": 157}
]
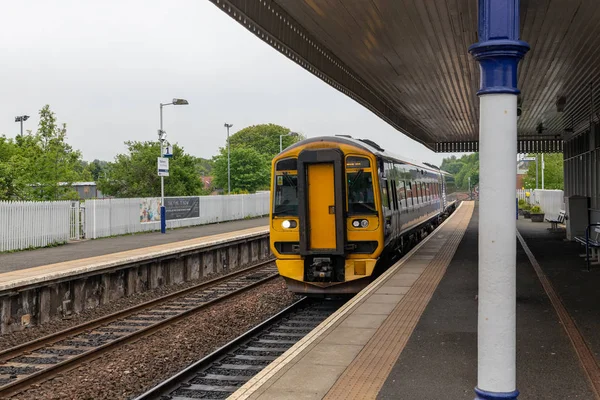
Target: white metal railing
[
  {"x": 26, "y": 224},
  {"x": 110, "y": 217},
  {"x": 522, "y": 193}
]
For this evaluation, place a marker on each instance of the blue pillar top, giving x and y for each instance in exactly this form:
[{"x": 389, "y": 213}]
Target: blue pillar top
[{"x": 499, "y": 49}]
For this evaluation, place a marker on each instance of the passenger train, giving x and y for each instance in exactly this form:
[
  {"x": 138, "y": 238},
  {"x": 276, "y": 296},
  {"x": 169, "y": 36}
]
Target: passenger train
[{"x": 342, "y": 209}]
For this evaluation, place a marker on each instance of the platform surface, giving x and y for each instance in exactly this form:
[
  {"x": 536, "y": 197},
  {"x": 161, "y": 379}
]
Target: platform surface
[
  {"x": 412, "y": 334},
  {"x": 98, "y": 247},
  {"x": 77, "y": 266}
]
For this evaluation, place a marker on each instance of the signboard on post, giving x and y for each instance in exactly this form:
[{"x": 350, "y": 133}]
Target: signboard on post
[
  {"x": 168, "y": 151},
  {"x": 163, "y": 166}
]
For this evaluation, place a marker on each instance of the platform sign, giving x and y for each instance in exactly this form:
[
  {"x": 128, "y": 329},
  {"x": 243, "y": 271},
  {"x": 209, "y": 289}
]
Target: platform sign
[
  {"x": 163, "y": 166},
  {"x": 168, "y": 151},
  {"x": 182, "y": 207}
]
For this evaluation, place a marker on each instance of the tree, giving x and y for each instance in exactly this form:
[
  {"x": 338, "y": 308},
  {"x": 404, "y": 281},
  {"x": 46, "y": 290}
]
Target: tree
[
  {"x": 97, "y": 169},
  {"x": 203, "y": 166},
  {"x": 249, "y": 170},
  {"x": 135, "y": 174},
  {"x": 256, "y": 145},
  {"x": 40, "y": 166},
  {"x": 463, "y": 168},
  {"x": 12, "y": 184},
  {"x": 263, "y": 138},
  {"x": 553, "y": 172}
]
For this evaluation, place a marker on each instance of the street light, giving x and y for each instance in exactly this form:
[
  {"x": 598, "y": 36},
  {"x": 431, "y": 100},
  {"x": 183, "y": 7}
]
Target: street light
[
  {"x": 228, "y": 161},
  {"x": 162, "y": 137},
  {"x": 281, "y": 139},
  {"x": 21, "y": 119}
]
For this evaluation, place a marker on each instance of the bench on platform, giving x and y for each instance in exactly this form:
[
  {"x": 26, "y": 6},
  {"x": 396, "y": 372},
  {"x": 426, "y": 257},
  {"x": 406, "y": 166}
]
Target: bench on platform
[
  {"x": 592, "y": 244},
  {"x": 558, "y": 220}
]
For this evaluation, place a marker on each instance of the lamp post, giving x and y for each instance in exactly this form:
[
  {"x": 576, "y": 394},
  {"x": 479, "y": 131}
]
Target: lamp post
[
  {"x": 536, "y": 171},
  {"x": 281, "y": 139},
  {"x": 21, "y": 119},
  {"x": 162, "y": 137},
  {"x": 543, "y": 171},
  {"x": 228, "y": 160}
]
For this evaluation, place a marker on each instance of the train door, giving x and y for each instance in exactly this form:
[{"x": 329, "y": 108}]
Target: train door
[
  {"x": 321, "y": 205},
  {"x": 321, "y": 202}
]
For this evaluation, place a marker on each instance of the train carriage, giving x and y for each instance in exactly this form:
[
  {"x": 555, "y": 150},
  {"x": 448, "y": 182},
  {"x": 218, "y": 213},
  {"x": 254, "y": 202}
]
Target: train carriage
[{"x": 342, "y": 208}]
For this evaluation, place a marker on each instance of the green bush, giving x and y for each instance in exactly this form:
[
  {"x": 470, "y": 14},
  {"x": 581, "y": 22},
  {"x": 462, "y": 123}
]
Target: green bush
[
  {"x": 526, "y": 206},
  {"x": 536, "y": 210},
  {"x": 521, "y": 203}
]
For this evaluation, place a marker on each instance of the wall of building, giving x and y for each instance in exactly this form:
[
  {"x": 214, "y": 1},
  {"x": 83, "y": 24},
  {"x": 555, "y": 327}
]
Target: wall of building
[{"x": 581, "y": 165}]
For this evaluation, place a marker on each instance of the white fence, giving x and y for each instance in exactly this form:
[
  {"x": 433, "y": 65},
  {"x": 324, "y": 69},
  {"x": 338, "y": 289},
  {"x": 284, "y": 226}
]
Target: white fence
[
  {"x": 25, "y": 224},
  {"x": 111, "y": 217},
  {"x": 550, "y": 201}
]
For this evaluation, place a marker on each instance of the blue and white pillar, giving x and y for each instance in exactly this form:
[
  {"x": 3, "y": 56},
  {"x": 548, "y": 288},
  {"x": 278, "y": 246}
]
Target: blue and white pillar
[{"x": 498, "y": 52}]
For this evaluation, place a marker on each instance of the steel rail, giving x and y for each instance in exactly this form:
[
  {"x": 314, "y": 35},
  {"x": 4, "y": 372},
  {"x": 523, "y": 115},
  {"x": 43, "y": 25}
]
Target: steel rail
[
  {"x": 172, "y": 383},
  {"x": 72, "y": 362}
]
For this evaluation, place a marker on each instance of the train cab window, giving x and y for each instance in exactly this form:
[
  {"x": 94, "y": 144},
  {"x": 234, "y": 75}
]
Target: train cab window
[
  {"x": 361, "y": 199},
  {"x": 285, "y": 200}
]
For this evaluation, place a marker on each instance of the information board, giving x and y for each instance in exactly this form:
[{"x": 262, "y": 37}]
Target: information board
[{"x": 182, "y": 207}]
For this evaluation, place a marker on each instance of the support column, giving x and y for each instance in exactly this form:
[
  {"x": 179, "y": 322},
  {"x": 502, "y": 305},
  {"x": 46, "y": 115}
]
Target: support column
[{"x": 498, "y": 53}]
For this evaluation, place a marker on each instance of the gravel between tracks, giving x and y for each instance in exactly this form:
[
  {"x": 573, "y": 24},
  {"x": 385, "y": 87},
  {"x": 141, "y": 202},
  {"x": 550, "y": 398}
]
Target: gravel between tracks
[
  {"x": 134, "y": 368},
  {"x": 34, "y": 332}
]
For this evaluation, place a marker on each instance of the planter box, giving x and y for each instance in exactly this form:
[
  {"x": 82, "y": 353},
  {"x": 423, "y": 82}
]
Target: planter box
[
  {"x": 527, "y": 213},
  {"x": 537, "y": 217}
]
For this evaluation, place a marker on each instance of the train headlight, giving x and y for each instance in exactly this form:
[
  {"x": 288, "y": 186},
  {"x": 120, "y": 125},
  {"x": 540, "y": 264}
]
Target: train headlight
[
  {"x": 287, "y": 224},
  {"x": 360, "y": 223}
]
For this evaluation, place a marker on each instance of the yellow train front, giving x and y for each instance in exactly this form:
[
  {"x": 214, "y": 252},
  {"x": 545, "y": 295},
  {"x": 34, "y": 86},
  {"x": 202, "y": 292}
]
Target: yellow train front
[{"x": 332, "y": 216}]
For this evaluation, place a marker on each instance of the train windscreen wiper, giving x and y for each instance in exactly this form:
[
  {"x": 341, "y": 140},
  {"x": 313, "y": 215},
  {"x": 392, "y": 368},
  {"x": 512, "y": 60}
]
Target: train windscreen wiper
[
  {"x": 358, "y": 175},
  {"x": 283, "y": 210}
]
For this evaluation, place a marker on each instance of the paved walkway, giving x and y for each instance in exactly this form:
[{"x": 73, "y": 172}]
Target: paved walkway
[
  {"x": 441, "y": 355},
  {"x": 408, "y": 337},
  {"x": 350, "y": 354},
  {"x": 99, "y": 247}
]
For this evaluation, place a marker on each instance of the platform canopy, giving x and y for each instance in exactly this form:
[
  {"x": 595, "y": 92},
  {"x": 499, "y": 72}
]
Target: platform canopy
[{"x": 407, "y": 61}]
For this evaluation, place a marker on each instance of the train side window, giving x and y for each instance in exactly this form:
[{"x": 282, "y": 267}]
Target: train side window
[
  {"x": 402, "y": 194},
  {"x": 394, "y": 196},
  {"x": 384, "y": 194}
]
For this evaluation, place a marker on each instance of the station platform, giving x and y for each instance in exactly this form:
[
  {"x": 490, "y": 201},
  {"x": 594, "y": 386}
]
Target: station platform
[
  {"x": 47, "y": 264},
  {"x": 412, "y": 334},
  {"x": 99, "y": 247}
]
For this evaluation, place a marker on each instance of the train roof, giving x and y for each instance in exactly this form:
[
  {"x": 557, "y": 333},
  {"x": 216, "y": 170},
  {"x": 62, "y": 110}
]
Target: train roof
[{"x": 372, "y": 147}]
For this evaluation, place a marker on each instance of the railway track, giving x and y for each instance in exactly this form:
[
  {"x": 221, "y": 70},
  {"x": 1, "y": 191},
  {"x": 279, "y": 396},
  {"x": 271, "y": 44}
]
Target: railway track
[
  {"x": 221, "y": 373},
  {"x": 43, "y": 358}
]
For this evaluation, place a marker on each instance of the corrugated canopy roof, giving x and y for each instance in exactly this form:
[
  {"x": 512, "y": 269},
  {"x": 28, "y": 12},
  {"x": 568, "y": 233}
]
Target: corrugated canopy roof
[{"x": 407, "y": 61}]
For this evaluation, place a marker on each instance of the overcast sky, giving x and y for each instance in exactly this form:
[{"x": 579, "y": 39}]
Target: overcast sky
[{"x": 104, "y": 67}]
